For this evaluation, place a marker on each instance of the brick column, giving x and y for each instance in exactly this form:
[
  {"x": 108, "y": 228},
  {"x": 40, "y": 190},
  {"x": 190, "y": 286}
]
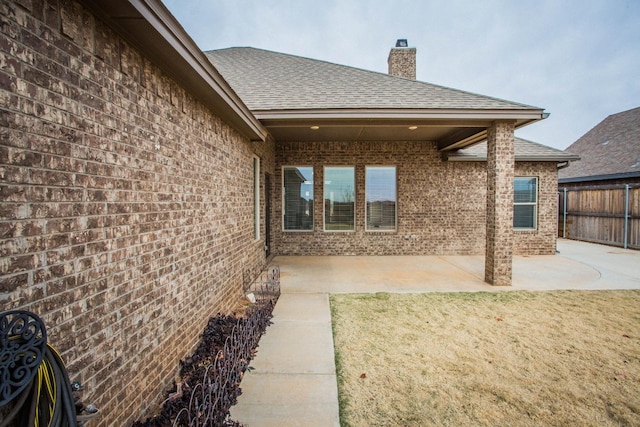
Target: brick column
[{"x": 500, "y": 170}]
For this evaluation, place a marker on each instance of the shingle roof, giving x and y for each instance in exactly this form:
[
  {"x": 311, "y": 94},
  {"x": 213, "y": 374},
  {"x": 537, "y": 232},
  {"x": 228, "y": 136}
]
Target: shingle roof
[
  {"x": 612, "y": 147},
  {"x": 524, "y": 151},
  {"x": 268, "y": 80}
]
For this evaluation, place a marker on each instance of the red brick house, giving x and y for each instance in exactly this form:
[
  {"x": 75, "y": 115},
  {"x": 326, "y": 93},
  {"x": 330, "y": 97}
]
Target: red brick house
[{"x": 142, "y": 178}]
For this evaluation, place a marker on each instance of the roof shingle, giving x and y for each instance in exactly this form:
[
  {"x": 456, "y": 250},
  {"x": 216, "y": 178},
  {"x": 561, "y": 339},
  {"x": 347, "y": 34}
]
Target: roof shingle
[
  {"x": 269, "y": 81},
  {"x": 524, "y": 151},
  {"x": 610, "y": 148}
]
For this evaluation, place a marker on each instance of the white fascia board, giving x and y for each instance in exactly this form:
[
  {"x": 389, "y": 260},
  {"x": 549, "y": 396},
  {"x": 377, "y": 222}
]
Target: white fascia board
[{"x": 417, "y": 114}]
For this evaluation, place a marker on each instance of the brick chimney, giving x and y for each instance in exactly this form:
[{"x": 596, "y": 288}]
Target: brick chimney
[{"x": 402, "y": 60}]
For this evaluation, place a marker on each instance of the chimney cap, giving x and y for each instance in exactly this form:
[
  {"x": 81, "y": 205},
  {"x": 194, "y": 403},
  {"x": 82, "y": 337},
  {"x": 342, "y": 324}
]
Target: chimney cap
[{"x": 402, "y": 43}]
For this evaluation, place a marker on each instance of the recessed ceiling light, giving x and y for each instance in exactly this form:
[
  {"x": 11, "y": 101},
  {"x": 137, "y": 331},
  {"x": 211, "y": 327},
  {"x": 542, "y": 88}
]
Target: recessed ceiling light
[
  {"x": 315, "y": 127},
  {"x": 413, "y": 127}
]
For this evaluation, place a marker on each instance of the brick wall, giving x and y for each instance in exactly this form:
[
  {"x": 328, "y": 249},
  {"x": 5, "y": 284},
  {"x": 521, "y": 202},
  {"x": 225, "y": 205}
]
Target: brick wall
[
  {"x": 126, "y": 217},
  {"x": 441, "y": 205}
]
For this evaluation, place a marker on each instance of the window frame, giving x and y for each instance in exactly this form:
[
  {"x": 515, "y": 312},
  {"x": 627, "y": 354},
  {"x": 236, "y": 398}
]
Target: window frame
[
  {"x": 312, "y": 212},
  {"x": 395, "y": 201},
  {"x": 534, "y": 204},
  {"x": 324, "y": 199}
]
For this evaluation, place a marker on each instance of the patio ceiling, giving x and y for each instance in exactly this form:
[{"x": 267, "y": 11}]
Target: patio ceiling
[{"x": 451, "y": 130}]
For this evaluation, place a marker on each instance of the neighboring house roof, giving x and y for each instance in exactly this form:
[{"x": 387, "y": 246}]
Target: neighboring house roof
[
  {"x": 287, "y": 91},
  {"x": 525, "y": 151},
  {"x": 610, "y": 150}
]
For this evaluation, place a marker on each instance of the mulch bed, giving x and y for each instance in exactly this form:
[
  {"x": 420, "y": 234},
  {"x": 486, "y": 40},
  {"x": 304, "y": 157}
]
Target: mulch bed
[{"x": 198, "y": 371}]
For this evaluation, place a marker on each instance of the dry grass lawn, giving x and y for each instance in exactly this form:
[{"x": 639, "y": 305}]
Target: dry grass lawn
[{"x": 488, "y": 359}]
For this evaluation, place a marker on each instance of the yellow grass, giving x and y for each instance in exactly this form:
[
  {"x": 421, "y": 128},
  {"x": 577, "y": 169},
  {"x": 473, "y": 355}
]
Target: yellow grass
[{"x": 488, "y": 359}]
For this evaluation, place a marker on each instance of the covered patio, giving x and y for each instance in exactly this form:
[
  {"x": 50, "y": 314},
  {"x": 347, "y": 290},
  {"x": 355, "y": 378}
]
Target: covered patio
[{"x": 294, "y": 380}]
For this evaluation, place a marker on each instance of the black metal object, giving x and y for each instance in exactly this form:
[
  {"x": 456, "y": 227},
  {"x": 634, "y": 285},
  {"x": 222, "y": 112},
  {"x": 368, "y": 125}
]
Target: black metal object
[
  {"x": 265, "y": 284},
  {"x": 210, "y": 378},
  {"x": 211, "y": 398},
  {"x": 23, "y": 343}
]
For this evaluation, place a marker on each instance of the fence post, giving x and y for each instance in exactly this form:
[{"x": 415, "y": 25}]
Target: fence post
[
  {"x": 626, "y": 215},
  {"x": 564, "y": 214}
]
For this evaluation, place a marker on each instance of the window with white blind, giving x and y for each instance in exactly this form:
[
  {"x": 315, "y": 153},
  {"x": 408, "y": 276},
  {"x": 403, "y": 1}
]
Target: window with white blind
[
  {"x": 297, "y": 198},
  {"x": 380, "y": 188},
  {"x": 525, "y": 203},
  {"x": 339, "y": 198}
]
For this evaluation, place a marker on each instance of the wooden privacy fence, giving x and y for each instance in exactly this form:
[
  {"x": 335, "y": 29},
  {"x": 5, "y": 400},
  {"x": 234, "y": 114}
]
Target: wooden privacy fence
[{"x": 608, "y": 214}]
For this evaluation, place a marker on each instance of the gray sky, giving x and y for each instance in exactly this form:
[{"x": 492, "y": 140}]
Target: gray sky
[{"x": 578, "y": 59}]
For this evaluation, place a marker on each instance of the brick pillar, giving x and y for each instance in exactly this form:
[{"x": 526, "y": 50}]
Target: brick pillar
[{"x": 500, "y": 170}]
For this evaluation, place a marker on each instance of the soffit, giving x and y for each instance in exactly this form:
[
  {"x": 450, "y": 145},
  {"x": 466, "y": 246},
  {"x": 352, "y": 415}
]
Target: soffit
[
  {"x": 150, "y": 27},
  {"x": 451, "y": 131}
]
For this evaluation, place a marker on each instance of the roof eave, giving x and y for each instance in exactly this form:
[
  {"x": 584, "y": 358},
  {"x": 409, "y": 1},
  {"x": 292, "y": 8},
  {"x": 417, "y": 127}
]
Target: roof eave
[
  {"x": 468, "y": 126},
  {"x": 522, "y": 116},
  {"x": 525, "y": 158},
  {"x": 148, "y": 25},
  {"x": 605, "y": 177}
]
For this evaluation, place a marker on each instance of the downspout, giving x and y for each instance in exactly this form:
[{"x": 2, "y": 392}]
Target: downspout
[
  {"x": 626, "y": 214},
  {"x": 564, "y": 202},
  {"x": 564, "y": 214}
]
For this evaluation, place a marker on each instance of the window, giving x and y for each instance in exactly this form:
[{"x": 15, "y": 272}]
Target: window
[
  {"x": 380, "y": 187},
  {"x": 339, "y": 198},
  {"x": 525, "y": 203},
  {"x": 297, "y": 198},
  {"x": 256, "y": 198}
]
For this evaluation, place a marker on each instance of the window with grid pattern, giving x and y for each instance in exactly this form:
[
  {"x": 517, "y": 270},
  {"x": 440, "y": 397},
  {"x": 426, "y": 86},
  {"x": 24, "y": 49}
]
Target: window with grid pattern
[
  {"x": 339, "y": 198},
  {"x": 525, "y": 203},
  {"x": 380, "y": 189},
  {"x": 297, "y": 198}
]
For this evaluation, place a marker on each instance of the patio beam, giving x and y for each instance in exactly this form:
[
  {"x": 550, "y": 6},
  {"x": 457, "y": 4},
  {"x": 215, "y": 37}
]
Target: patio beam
[{"x": 500, "y": 173}]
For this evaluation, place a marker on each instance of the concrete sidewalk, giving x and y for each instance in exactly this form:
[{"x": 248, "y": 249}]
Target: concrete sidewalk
[{"x": 294, "y": 379}]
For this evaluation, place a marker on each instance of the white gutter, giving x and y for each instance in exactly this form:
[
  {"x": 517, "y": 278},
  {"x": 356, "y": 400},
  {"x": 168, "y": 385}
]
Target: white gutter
[{"x": 395, "y": 114}]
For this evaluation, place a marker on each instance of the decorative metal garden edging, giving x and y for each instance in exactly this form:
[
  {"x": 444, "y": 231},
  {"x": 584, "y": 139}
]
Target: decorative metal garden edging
[{"x": 210, "y": 378}]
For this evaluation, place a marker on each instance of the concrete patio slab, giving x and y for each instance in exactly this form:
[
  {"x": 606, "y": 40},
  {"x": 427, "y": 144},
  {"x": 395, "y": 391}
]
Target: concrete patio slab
[
  {"x": 294, "y": 381},
  {"x": 361, "y": 274}
]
